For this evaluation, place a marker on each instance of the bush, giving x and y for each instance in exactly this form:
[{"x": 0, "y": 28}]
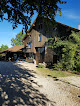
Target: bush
[
  {"x": 58, "y": 66},
  {"x": 49, "y": 65},
  {"x": 40, "y": 66},
  {"x": 68, "y": 53}
]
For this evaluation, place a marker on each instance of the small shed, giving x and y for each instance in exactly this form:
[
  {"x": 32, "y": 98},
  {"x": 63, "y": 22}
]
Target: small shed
[{"x": 14, "y": 52}]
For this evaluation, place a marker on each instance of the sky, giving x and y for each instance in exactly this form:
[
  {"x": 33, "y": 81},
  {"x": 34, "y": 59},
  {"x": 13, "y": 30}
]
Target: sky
[{"x": 70, "y": 16}]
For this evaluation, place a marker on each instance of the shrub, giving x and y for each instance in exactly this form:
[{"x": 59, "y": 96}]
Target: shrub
[
  {"x": 68, "y": 52},
  {"x": 40, "y": 66},
  {"x": 58, "y": 66}
]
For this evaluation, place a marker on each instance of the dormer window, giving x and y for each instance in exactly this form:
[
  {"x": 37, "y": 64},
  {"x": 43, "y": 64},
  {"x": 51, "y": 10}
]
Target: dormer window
[{"x": 40, "y": 38}]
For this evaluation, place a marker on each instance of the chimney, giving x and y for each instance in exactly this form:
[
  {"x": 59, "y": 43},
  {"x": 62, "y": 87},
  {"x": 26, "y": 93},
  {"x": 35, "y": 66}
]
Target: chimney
[{"x": 79, "y": 26}]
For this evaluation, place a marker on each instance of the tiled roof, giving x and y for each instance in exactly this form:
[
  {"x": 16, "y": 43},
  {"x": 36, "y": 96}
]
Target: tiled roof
[{"x": 14, "y": 49}]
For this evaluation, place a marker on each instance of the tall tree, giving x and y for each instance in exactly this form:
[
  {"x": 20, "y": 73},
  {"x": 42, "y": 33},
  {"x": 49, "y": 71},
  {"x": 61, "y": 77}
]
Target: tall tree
[
  {"x": 21, "y": 11},
  {"x": 17, "y": 40}
]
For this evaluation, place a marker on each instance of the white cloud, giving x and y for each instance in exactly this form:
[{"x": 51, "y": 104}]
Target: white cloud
[{"x": 71, "y": 14}]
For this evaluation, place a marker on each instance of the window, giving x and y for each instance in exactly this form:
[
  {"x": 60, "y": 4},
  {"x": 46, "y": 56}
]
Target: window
[
  {"x": 29, "y": 45},
  {"x": 55, "y": 28},
  {"x": 29, "y": 36},
  {"x": 40, "y": 38}
]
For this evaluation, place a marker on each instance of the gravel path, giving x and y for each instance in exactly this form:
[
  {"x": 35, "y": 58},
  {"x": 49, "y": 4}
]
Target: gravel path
[
  {"x": 22, "y": 85},
  {"x": 74, "y": 80}
]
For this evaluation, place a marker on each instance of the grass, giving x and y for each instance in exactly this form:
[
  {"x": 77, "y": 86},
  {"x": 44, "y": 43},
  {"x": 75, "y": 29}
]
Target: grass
[{"x": 54, "y": 73}]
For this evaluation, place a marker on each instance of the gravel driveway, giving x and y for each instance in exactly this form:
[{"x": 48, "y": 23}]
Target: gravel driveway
[{"x": 22, "y": 85}]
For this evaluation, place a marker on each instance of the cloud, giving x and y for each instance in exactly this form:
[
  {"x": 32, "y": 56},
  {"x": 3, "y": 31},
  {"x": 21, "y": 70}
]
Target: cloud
[{"x": 71, "y": 14}]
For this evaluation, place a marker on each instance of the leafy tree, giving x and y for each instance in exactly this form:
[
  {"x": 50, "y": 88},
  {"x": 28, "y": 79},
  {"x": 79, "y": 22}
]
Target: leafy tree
[
  {"x": 21, "y": 11},
  {"x": 17, "y": 40},
  {"x": 3, "y": 47},
  {"x": 68, "y": 52}
]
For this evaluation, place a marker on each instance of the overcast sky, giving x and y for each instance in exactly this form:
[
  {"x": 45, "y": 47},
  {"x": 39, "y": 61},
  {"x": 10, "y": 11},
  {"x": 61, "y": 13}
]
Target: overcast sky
[{"x": 70, "y": 16}]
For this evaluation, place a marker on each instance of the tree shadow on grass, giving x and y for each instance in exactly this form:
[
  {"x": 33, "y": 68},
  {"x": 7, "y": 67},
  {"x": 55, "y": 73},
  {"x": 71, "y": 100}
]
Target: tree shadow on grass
[{"x": 16, "y": 87}]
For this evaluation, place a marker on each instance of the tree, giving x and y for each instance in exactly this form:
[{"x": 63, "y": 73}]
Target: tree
[
  {"x": 68, "y": 52},
  {"x": 21, "y": 11},
  {"x": 17, "y": 40},
  {"x": 3, "y": 47}
]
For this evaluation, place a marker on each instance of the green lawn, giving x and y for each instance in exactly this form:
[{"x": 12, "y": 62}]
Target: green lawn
[{"x": 54, "y": 73}]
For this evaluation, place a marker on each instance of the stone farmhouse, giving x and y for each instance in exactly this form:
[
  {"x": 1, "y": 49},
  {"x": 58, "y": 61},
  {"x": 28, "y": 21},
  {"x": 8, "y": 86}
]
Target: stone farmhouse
[{"x": 34, "y": 41}]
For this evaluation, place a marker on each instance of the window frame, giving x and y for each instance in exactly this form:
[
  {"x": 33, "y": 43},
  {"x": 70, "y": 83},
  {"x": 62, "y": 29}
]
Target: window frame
[
  {"x": 40, "y": 37},
  {"x": 29, "y": 45}
]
